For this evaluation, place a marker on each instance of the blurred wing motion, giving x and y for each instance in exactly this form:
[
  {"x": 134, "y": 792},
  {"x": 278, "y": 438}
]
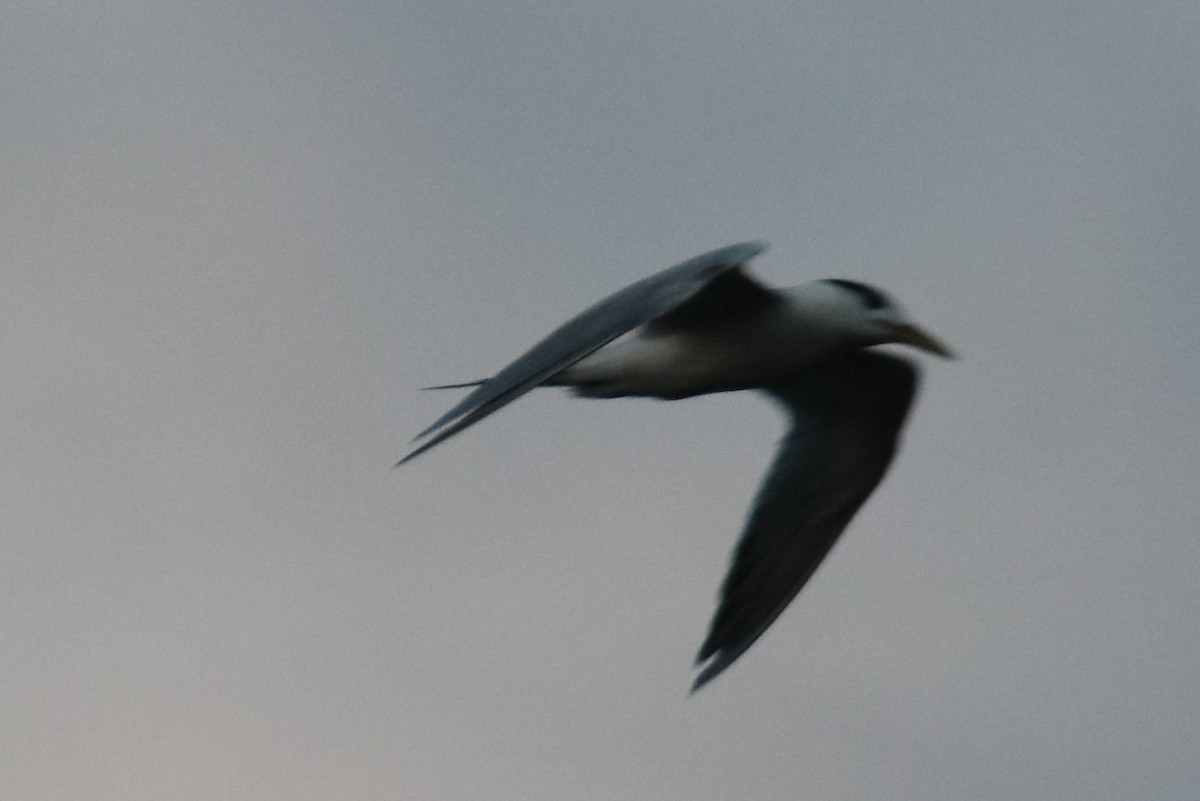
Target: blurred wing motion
[
  {"x": 846, "y": 417},
  {"x": 675, "y": 291}
]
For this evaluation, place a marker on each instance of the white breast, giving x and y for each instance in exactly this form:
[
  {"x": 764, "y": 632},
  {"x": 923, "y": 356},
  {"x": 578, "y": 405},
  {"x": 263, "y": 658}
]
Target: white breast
[{"x": 680, "y": 364}]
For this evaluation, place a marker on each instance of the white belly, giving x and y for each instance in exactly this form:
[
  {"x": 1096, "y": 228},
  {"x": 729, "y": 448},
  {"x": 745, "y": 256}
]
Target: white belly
[{"x": 679, "y": 365}]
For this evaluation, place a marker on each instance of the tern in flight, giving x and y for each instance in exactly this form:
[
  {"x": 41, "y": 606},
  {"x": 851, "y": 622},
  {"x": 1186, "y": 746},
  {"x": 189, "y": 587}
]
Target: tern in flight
[{"x": 706, "y": 326}]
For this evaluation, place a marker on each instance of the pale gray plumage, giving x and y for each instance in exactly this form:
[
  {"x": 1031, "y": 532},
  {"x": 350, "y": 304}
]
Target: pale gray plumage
[{"x": 704, "y": 326}]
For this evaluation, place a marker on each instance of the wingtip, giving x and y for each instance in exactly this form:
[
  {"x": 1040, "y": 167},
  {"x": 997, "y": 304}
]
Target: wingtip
[
  {"x": 711, "y": 664},
  {"x": 415, "y": 453},
  {"x": 708, "y": 674}
]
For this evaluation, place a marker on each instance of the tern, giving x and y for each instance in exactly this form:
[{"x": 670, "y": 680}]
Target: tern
[{"x": 705, "y": 326}]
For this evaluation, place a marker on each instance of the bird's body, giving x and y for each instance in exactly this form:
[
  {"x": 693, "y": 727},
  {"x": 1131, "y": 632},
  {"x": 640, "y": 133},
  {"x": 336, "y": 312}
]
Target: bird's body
[
  {"x": 703, "y": 326},
  {"x": 740, "y": 352}
]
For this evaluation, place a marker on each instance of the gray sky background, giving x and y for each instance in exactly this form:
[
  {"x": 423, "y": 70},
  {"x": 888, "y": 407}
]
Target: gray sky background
[{"x": 237, "y": 237}]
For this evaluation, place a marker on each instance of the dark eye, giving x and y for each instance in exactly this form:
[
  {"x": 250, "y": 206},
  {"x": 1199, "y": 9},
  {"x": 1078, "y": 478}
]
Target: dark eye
[{"x": 870, "y": 297}]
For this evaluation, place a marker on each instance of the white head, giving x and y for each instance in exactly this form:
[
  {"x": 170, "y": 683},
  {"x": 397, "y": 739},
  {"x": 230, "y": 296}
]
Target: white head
[{"x": 868, "y": 315}]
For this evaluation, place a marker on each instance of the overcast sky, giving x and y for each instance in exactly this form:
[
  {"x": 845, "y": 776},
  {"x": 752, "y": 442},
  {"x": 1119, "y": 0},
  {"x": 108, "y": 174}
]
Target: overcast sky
[{"x": 236, "y": 238}]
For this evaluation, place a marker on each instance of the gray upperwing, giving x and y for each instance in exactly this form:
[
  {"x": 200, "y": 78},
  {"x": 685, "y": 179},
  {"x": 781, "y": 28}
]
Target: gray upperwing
[
  {"x": 846, "y": 417},
  {"x": 617, "y": 314},
  {"x": 728, "y": 297}
]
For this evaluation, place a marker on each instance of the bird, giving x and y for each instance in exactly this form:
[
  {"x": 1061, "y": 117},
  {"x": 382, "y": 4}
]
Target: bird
[{"x": 705, "y": 326}]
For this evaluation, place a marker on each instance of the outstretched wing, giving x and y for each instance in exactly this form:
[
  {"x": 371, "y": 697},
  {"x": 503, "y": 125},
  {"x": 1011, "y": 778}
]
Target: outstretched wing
[
  {"x": 617, "y": 314},
  {"x": 846, "y": 417}
]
